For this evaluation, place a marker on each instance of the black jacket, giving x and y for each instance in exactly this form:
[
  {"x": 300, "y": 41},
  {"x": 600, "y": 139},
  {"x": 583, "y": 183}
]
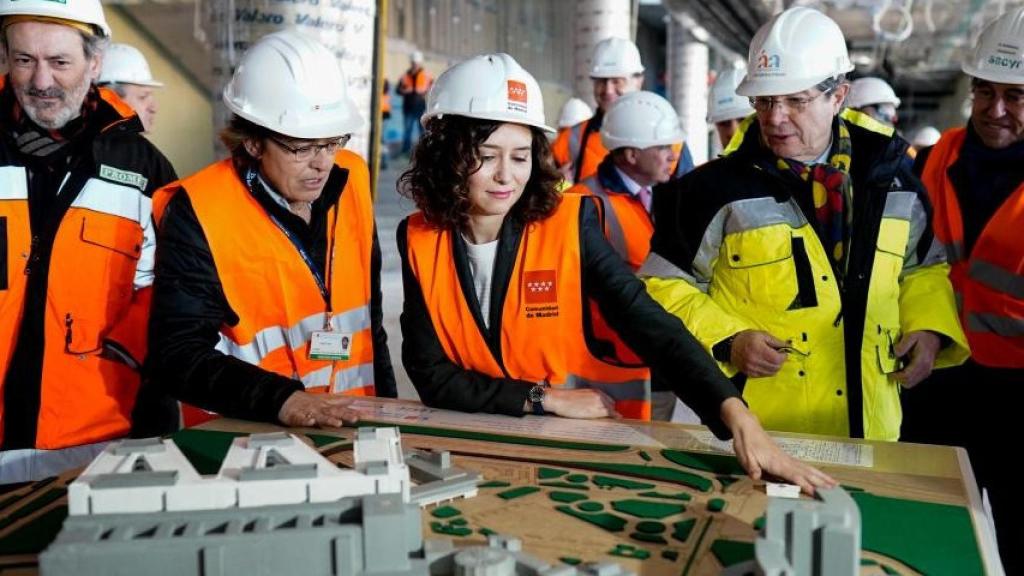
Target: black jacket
[
  {"x": 105, "y": 139},
  {"x": 660, "y": 338},
  {"x": 189, "y": 307}
]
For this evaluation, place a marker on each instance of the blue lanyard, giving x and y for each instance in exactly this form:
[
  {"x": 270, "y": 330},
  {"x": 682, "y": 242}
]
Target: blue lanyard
[{"x": 325, "y": 292}]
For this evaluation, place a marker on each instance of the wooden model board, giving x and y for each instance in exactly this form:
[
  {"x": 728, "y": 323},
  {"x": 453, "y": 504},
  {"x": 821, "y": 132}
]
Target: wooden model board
[{"x": 655, "y": 509}]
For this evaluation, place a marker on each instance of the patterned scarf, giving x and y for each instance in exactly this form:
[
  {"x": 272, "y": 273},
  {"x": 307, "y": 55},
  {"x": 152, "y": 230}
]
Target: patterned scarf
[{"x": 832, "y": 194}]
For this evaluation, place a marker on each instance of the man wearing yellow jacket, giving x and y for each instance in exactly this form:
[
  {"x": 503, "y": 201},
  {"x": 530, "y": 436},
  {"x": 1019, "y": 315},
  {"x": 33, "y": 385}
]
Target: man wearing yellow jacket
[{"x": 803, "y": 259}]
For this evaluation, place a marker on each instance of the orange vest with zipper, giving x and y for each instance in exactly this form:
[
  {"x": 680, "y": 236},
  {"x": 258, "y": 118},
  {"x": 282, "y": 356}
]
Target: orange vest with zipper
[
  {"x": 988, "y": 282},
  {"x": 542, "y": 319},
  {"x": 272, "y": 290},
  {"x": 85, "y": 397}
]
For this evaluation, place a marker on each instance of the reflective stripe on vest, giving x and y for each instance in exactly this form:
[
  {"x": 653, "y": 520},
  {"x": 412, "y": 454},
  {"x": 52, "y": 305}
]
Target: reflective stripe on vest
[
  {"x": 114, "y": 199},
  {"x": 575, "y": 141},
  {"x": 12, "y": 183},
  {"x": 988, "y": 284},
  {"x": 271, "y": 289},
  {"x": 616, "y": 235},
  {"x": 542, "y": 318}
]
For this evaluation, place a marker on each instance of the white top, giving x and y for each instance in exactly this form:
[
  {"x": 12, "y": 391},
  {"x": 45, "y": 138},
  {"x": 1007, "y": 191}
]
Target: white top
[{"x": 481, "y": 267}]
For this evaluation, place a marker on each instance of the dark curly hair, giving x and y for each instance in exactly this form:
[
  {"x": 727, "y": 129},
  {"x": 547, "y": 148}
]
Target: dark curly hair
[{"x": 448, "y": 153}]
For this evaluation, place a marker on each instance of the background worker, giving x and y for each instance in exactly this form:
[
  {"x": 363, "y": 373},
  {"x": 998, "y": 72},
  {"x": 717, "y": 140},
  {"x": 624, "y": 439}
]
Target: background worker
[
  {"x": 271, "y": 257},
  {"x": 803, "y": 258},
  {"x": 975, "y": 178},
  {"x": 493, "y": 266},
  {"x": 639, "y": 131},
  {"x": 76, "y": 241},
  {"x": 126, "y": 72},
  {"x": 876, "y": 98},
  {"x": 413, "y": 87},
  {"x": 726, "y": 108},
  {"x": 616, "y": 70}
]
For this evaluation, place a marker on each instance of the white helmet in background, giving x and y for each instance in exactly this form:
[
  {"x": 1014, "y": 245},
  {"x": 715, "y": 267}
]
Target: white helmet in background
[
  {"x": 615, "y": 58},
  {"x": 870, "y": 91},
  {"x": 998, "y": 55},
  {"x": 124, "y": 64},
  {"x": 793, "y": 52},
  {"x": 488, "y": 87},
  {"x": 724, "y": 103},
  {"x": 640, "y": 120},
  {"x": 290, "y": 83},
  {"x": 574, "y": 111},
  {"x": 926, "y": 136},
  {"x": 416, "y": 57},
  {"x": 85, "y": 11}
]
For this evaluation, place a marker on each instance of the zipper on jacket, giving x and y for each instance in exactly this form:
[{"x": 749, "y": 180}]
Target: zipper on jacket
[{"x": 33, "y": 255}]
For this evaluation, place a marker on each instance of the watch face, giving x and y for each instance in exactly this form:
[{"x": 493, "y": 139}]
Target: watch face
[{"x": 536, "y": 394}]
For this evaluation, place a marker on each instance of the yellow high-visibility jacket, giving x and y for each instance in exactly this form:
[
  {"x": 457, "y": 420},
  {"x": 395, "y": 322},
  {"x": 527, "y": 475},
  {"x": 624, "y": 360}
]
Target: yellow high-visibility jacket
[{"x": 733, "y": 250}]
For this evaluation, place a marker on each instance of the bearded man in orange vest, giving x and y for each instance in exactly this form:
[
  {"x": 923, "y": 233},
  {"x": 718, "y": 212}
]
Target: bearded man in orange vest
[
  {"x": 76, "y": 241},
  {"x": 975, "y": 179}
]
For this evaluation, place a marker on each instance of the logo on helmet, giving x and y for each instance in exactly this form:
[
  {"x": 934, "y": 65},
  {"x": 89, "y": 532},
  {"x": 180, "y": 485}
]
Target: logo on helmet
[
  {"x": 1004, "y": 62},
  {"x": 766, "y": 61},
  {"x": 517, "y": 96}
]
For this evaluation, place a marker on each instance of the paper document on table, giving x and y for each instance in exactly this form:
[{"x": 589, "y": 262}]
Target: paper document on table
[
  {"x": 808, "y": 450},
  {"x": 597, "y": 431}
]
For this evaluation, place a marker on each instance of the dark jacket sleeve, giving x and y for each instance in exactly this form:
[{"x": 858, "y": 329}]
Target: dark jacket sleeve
[
  {"x": 440, "y": 382},
  {"x": 189, "y": 307},
  {"x": 660, "y": 339},
  {"x": 383, "y": 372}
]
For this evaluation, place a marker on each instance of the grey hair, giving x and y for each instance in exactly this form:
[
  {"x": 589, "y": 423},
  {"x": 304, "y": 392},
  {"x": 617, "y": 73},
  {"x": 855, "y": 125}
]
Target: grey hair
[
  {"x": 829, "y": 84},
  {"x": 92, "y": 44}
]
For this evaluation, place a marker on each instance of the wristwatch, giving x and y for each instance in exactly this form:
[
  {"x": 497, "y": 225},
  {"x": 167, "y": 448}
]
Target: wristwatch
[{"x": 536, "y": 397}]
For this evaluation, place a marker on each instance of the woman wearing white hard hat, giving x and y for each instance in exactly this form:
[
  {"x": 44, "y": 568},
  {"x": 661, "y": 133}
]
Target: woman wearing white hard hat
[
  {"x": 267, "y": 304},
  {"x": 726, "y": 108},
  {"x": 496, "y": 265}
]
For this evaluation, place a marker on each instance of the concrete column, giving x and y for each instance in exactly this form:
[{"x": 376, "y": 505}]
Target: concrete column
[
  {"x": 595, "y": 21},
  {"x": 688, "y": 87},
  {"x": 344, "y": 26}
]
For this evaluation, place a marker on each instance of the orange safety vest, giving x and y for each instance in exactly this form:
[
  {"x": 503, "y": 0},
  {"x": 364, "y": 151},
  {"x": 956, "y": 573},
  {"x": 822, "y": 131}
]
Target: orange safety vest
[
  {"x": 542, "y": 321},
  {"x": 85, "y": 396},
  {"x": 419, "y": 82},
  {"x": 569, "y": 148},
  {"x": 629, "y": 228},
  {"x": 988, "y": 282},
  {"x": 269, "y": 286}
]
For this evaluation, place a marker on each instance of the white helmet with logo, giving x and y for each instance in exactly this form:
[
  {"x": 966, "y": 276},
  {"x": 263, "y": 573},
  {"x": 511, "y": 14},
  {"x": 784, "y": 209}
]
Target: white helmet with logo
[
  {"x": 926, "y": 136},
  {"x": 793, "y": 52},
  {"x": 998, "y": 55},
  {"x": 290, "y": 83},
  {"x": 488, "y": 87},
  {"x": 615, "y": 58},
  {"x": 870, "y": 91},
  {"x": 124, "y": 64},
  {"x": 640, "y": 120},
  {"x": 574, "y": 111},
  {"x": 85, "y": 11},
  {"x": 724, "y": 103}
]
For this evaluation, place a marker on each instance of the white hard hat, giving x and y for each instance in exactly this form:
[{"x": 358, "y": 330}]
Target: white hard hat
[
  {"x": 615, "y": 58},
  {"x": 85, "y": 11},
  {"x": 574, "y": 111},
  {"x": 794, "y": 51},
  {"x": 870, "y": 91},
  {"x": 640, "y": 120},
  {"x": 998, "y": 55},
  {"x": 124, "y": 64},
  {"x": 926, "y": 136},
  {"x": 290, "y": 83},
  {"x": 724, "y": 103},
  {"x": 488, "y": 87},
  {"x": 416, "y": 57}
]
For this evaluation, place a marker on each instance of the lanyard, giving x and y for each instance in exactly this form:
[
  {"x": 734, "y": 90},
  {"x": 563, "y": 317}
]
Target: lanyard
[{"x": 324, "y": 285}]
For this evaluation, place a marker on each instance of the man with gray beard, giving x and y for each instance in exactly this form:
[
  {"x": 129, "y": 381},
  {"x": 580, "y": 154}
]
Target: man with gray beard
[{"x": 76, "y": 241}]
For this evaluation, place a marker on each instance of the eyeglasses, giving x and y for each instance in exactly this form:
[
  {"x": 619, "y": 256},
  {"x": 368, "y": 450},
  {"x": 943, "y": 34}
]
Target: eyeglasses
[
  {"x": 308, "y": 151},
  {"x": 795, "y": 104},
  {"x": 986, "y": 95}
]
